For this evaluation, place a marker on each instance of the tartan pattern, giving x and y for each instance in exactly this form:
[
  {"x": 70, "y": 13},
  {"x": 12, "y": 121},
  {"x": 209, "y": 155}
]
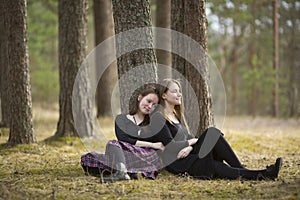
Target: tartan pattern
[{"x": 138, "y": 159}]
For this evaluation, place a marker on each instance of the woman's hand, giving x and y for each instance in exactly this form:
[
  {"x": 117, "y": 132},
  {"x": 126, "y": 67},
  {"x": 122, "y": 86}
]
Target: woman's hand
[
  {"x": 184, "y": 152},
  {"x": 192, "y": 141},
  {"x": 158, "y": 145}
]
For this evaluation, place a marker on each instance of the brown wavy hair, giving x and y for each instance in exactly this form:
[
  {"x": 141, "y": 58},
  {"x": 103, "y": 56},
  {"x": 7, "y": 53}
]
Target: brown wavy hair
[{"x": 144, "y": 90}]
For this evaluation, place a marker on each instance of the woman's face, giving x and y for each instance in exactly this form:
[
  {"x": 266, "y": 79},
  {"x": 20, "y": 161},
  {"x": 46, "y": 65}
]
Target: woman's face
[
  {"x": 147, "y": 103},
  {"x": 173, "y": 95}
]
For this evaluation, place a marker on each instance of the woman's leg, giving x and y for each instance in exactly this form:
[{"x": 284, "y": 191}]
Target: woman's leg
[
  {"x": 223, "y": 152},
  {"x": 116, "y": 161},
  {"x": 207, "y": 168},
  {"x": 221, "y": 149},
  {"x": 224, "y": 171},
  {"x": 115, "y": 156}
]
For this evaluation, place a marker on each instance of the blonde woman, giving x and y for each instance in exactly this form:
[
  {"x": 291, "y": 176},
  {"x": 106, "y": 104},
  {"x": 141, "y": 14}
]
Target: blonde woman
[{"x": 185, "y": 159}]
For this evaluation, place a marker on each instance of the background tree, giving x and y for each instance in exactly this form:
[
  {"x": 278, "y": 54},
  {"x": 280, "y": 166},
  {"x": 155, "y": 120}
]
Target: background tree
[
  {"x": 21, "y": 125},
  {"x": 238, "y": 31},
  {"x": 163, "y": 20},
  {"x": 72, "y": 52},
  {"x": 131, "y": 14},
  {"x": 255, "y": 75},
  {"x": 252, "y": 63},
  {"x": 290, "y": 24},
  {"x": 4, "y": 98},
  {"x": 233, "y": 21},
  {"x": 254, "y": 72},
  {"x": 104, "y": 28},
  {"x": 275, "y": 99},
  {"x": 189, "y": 17}
]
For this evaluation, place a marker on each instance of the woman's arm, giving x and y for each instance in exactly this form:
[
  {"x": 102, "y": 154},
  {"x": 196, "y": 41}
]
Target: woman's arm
[
  {"x": 125, "y": 131},
  {"x": 157, "y": 131},
  {"x": 129, "y": 132},
  {"x": 192, "y": 141},
  {"x": 163, "y": 134},
  {"x": 184, "y": 152},
  {"x": 154, "y": 145}
]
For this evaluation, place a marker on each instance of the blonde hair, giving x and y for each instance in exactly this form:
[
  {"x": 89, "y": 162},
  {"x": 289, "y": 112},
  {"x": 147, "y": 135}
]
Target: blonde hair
[{"x": 178, "y": 109}]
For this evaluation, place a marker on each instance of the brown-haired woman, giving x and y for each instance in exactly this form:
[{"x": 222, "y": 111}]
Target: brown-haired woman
[{"x": 130, "y": 154}]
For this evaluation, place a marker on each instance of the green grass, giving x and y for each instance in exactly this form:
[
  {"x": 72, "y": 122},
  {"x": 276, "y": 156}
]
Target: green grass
[{"x": 51, "y": 170}]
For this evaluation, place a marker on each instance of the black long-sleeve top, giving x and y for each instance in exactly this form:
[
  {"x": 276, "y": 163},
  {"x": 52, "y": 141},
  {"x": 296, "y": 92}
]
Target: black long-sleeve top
[
  {"x": 173, "y": 136},
  {"x": 156, "y": 131}
]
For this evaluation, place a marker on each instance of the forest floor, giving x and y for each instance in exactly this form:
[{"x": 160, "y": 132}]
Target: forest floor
[{"x": 51, "y": 170}]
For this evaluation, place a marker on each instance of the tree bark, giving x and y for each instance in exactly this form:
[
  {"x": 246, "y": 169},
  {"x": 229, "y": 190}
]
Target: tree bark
[
  {"x": 21, "y": 123},
  {"x": 72, "y": 52},
  {"x": 104, "y": 28},
  {"x": 163, "y": 20},
  {"x": 275, "y": 99},
  {"x": 294, "y": 74},
  {"x": 189, "y": 17},
  {"x": 139, "y": 66},
  {"x": 234, "y": 73},
  {"x": 252, "y": 93},
  {"x": 4, "y": 95}
]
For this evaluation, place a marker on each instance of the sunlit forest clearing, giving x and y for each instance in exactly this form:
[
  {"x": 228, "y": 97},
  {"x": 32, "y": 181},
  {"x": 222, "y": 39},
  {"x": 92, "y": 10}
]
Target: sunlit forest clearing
[
  {"x": 52, "y": 54},
  {"x": 53, "y": 171}
]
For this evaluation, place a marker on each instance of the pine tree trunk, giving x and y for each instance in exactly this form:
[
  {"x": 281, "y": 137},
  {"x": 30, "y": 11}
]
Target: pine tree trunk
[
  {"x": 72, "y": 52},
  {"x": 252, "y": 91},
  {"x": 275, "y": 99},
  {"x": 4, "y": 95},
  {"x": 163, "y": 20},
  {"x": 21, "y": 125},
  {"x": 189, "y": 17},
  {"x": 104, "y": 28},
  {"x": 137, "y": 67},
  {"x": 294, "y": 74},
  {"x": 234, "y": 73}
]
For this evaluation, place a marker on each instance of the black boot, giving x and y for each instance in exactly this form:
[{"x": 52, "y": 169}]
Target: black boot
[
  {"x": 273, "y": 170},
  {"x": 134, "y": 176},
  {"x": 119, "y": 175}
]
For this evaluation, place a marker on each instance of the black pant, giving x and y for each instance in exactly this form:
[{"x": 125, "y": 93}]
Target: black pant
[{"x": 218, "y": 151}]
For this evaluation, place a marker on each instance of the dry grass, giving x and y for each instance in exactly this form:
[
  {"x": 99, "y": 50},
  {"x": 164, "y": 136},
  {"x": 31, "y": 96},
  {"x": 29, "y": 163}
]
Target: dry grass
[{"x": 52, "y": 171}]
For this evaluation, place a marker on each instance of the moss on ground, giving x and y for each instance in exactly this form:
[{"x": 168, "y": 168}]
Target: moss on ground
[{"x": 51, "y": 169}]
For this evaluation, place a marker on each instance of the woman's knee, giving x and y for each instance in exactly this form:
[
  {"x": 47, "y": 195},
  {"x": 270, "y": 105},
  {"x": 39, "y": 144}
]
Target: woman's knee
[{"x": 213, "y": 130}]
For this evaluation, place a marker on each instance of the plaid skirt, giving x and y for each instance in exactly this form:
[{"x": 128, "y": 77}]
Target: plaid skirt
[{"x": 138, "y": 159}]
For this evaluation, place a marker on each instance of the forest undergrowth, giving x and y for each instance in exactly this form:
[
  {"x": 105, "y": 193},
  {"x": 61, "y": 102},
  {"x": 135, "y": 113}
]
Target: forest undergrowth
[{"x": 51, "y": 169}]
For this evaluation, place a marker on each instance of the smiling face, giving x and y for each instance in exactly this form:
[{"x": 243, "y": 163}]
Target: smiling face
[
  {"x": 147, "y": 103},
  {"x": 173, "y": 95}
]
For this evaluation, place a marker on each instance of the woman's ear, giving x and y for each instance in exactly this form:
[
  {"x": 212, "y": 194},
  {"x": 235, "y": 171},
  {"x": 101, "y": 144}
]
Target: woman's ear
[
  {"x": 163, "y": 96},
  {"x": 139, "y": 97}
]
